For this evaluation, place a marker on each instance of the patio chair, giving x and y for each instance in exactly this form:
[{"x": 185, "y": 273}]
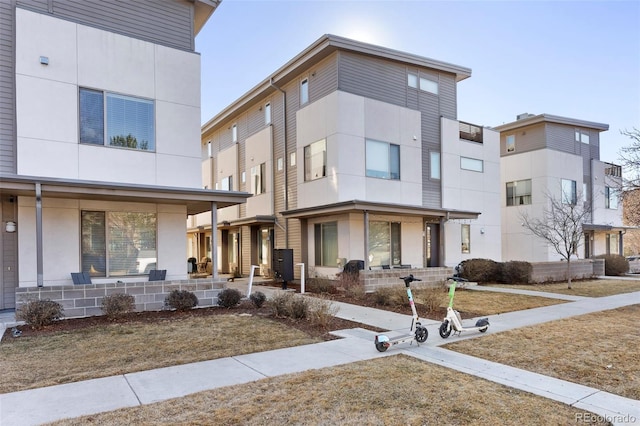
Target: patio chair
[
  {"x": 157, "y": 274},
  {"x": 81, "y": 277}
]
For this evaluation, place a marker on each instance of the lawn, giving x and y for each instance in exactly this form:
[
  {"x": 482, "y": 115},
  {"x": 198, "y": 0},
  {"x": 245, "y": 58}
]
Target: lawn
[{"x": 589, "y": 288}]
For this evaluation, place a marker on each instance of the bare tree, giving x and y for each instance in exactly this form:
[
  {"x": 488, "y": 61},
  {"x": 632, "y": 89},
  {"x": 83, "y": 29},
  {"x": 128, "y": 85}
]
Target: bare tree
[
  {"x": 630, "y": 156},
  {"x": 560, "y": 226}
]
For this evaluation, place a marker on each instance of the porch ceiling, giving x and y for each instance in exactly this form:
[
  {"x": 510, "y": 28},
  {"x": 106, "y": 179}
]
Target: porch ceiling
[
  {"x": 377, "y": 208},
  {"x": 597, "y": 227},
  {"x": 196, "y": 200}
]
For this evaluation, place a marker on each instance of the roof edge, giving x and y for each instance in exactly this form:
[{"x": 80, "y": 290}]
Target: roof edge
[{"x": 550, "y": 118}]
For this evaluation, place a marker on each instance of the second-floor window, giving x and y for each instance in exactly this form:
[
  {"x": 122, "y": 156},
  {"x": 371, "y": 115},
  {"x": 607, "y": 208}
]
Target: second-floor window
[
  {"x": 472, "y": 164},
  {"x": 234, "y": 133},
  {"x": 569, "y": 192},
  {"x": 315, "y": 160},
  {"x": 258, "y": 179},
  {"x": 383, "y": 160},
  {"x": 226, "y": 184},
  {"x": 519, "y": 192},
  {"x": 610, "y": 198},
  {"x": 434, "y": 164},
  {"x": 129, "y": 122},
  {"x": 582, "y": 136},
  {"x": 421, "y": 83},
  {"x": 304, "y": 91},
  {"x": 511, "y": 143},
  {"x": 267, "y": 113}
]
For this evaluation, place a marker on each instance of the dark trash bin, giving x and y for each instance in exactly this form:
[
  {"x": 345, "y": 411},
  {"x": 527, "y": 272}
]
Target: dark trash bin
[
  {"x": 192, "y": 265},
  {"x": 353, "y": 267}
]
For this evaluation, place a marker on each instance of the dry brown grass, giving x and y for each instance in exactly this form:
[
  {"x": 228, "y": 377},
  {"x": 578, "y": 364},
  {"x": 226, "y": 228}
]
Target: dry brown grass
[
  {"x": 124, "y": 348},
  {"x": 590, "y": 288},
  {"x": 396, "y": 390},
  {"x": 597, "y": 350}
]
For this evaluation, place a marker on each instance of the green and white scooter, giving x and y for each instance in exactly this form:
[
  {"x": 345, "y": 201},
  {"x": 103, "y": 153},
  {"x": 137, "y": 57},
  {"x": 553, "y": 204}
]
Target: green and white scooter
[
  {"x": 453, "y": 322},
  {"x": 420, "y": 334}
]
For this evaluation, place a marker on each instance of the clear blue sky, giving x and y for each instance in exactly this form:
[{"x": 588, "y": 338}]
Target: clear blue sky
[{"x": 578, "y": 59}]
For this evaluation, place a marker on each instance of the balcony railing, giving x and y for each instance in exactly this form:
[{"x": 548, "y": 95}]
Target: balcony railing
[
  {"x": 470, "y": 132},
  {"x": 613, "y": 170}
]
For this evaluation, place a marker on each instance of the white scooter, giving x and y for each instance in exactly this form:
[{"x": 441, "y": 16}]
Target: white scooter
[
  {"x": 453, "y": 322},
  {"x": 420, "y": 334}
]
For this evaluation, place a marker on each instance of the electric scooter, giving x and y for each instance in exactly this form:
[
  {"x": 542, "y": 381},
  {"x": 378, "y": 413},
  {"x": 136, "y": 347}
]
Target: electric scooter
[
  {"x": 420, "y": 334},
  {"x": 453, "y": 321}
]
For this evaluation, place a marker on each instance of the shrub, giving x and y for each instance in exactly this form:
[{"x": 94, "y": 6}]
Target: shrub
[
  {"x": 431, "y": 297},
  {"x": 515, "y": 272},
  {"x": 280, "y": 303},
  {"x": 480, "y": 270},
  {"x": 181, "y": 300},
  {"x": 614, "y": 264},
  {"x": 39, "y": 313},
  {"x": 320, "y": 285},
  {"x": 299, "y": 307},
  {"x": 116, "y": 305},
  {"x": 229, "y": 297},
  {"x": 258, "y": 298},
  {"x": 321, "y": 312},
  {"x": 351, "y": 285},
  {"x": 390, "y": 296}
]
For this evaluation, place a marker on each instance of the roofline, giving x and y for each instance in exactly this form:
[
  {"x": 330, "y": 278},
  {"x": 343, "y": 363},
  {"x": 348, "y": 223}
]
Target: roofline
[
  {"x": 541, "y": 118},
  {"x": 377, "y": 208},
  {"x": 195, "y": 199},
  {"x": 321, "y": 48},
  {"x": 203, "y": 9}
]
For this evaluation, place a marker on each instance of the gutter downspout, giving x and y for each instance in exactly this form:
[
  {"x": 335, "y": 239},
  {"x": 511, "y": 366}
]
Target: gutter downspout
[
  {"x": 286, "y": 174},
  {"x": 39, "y": 249}
]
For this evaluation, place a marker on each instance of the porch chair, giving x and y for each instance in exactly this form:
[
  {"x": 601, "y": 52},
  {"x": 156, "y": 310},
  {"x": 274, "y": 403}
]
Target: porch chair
[
  {"x": 157, "y": 274},
  {"x": 81, "y": 278}
]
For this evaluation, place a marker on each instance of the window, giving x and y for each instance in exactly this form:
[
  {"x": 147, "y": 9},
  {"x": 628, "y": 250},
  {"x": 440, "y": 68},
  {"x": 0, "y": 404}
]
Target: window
[
  {"x": 292, "y": 159},
  {"x": 130, "y": 122},
  {"x": 304, "y": 91},
  {"x": 267, "y": 113},
  {"x": 118, "y": 244},
  {"x": 470, "y": 132},
  {"x": 511, "y": 143},
  {"x": 209, "y": 149},
  {"x": 466, "y": 238},
  {"x": 280, "y": 163},
  {"x": 412, "y": 80},
  {"x": 519, "y": 192},
  {"x": 427, "y": 85},
  {"x": 471, "y": 164},
  {"x": 582, "y": 136},
  {"x": 243, "y": 177},
  {"x": 610, "y": 198},
  {"x": 326, "y": 244},
  {"x": 226, "y": 184},
  {"x": 234, "y": 133},
  {"x": 315, "y": 160},
  {"x": 383, "y": 160},
  {"x": 384, "y": 243},
  {"x": 612, "y": 244},
  {"x": 434, "y": 164},
  {"x": 569, "y": 195},
  {"x": 258, "y": 175}
]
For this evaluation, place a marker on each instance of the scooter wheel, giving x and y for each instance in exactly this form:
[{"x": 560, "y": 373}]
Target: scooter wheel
[
  {"x": 381, "y": 347},
  {"x": 421, "y": 334},
  {"x": 482, "y": 330},
  {"x": 445, "y": 330}
]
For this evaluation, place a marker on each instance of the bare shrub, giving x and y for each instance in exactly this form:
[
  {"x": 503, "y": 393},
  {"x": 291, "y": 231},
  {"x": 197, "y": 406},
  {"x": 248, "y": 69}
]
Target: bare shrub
[
  {"x": 515, "y": 272},
  {"x": 181, "y": 300},
  {"x": 117, "y": 305},
  {"x": 40, "y": 313},
  {"x": 280, "y": 302},
  {"x": 431, "y": 297},
  {"x": 351, "y": 285},
  {"x": 390, "y": 296},
  {"x": 321, "y": 285},
  {"x": 614, "y": 264},
  {"x": 321, "y": 312},
  {"x": 229, "y": 297},
  {"x": 480, "y": 270},
  {"x": 258, "y": 298}
]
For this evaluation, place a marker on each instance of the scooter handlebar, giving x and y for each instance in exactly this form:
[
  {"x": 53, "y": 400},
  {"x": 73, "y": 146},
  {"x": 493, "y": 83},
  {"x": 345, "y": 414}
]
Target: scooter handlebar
[{"x": 409, "y": 278}]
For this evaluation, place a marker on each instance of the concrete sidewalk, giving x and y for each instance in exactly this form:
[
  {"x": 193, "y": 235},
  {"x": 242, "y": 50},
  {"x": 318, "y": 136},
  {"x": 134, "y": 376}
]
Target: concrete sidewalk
[{"x": 93, "y": 396}]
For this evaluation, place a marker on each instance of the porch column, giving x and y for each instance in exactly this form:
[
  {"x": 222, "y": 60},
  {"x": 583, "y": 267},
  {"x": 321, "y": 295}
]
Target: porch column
[
  {"x": 366, "y": 240},
  {"x": 442, "y": 261},
  {"x": 39, "y": 250},
  {"x": 620, "y": 244},
  {"x": 214, "y": 241}
]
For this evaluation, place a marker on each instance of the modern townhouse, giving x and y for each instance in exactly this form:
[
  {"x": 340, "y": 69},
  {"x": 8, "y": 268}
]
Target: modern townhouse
[
  {"x": 99, "y": 145},
  {"x": 546, "y": 156},
  {"x": 352, "y": 152}
]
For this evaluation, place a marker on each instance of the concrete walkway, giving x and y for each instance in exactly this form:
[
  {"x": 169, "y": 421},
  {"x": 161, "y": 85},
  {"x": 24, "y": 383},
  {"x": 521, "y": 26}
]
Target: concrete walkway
[{"x": 93, "y": 396}]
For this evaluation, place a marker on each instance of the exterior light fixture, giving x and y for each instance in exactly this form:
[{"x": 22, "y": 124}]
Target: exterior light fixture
[{"x": 10, "y": 227}]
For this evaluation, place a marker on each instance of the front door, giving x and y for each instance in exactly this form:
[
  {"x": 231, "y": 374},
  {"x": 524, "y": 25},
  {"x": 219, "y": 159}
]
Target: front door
[{"x": 432, "y": 244}]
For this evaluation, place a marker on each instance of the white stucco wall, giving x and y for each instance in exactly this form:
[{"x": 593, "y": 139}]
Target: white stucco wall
[
  {"x": 80, "y": 56},
  {"x": 258, "y": 150}
]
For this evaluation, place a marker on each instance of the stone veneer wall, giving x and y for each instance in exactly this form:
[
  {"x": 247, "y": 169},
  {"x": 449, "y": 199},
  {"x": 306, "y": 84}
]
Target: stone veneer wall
[
  {"x": 557, "y": 271},
  {"x": 85, "y": 300},
  {"x": 375, "y": 279}
]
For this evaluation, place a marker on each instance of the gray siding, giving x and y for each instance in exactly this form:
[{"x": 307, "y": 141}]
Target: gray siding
[
  {"x": 7, "y": 88},
  {"x": 164, "y": 22},
  {"x": 528, "y": 139}
]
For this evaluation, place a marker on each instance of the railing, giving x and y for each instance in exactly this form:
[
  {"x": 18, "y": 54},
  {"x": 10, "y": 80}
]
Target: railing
[
  {"x": 470, "y": 132},
  {"x": 613, "y": 170}
]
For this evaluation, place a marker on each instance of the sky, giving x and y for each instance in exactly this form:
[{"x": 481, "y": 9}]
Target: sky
[{"x": 577, "y": 59}]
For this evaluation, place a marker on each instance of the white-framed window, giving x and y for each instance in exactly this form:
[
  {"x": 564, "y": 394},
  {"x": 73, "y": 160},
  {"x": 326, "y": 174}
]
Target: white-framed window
[
  {"x": 326, "y": 243},
  {"x": 243, "y": 177},
  {"x": 304, "y": 91},
  {"x": 116, "y": 244},
  {"x": 382, "y": 160},
  {"x": 209, "y": 150},
  {"x": 465, "y": 233},
  {"x": 511, "y": 143},
  {"x": 292, "y": 159},
  {"x": 384, "y": 243},
  {"x": 315, "y": 160},
  {"x": 280, "y": 163},
  {"x": 434, "y": 163},
  {"x": 116, "y": 120},
  {"x": 610, "y": 198},
  {"x": 258, "y": 179},
  {"x": 234, "y": 133},
  {"x": 582, "y": 136},
  {"x": 569, "y": 192},
  {"x": 612, "y": 244},
  {"x": 519, "y": 192},
  {"x": 267, "y": 113},
  {"x": 472, "y": 164},
  {"x": 226, "y": 184},
  {"x": 412, "y": 80},
  {"x": 427, "y": 85}
]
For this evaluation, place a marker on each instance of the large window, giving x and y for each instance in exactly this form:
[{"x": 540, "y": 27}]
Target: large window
[
  {"x": 128, "y": 122},
  {"x": 569, "y": 192},
  {"x": 519, "y": 192},
  {"x": 326, "y": 244},
  {"x": 118, "y": 244},
  {"x": 610, "y": 198},
  {"x": 384, "y": 243},
  {"x": 466, "y": 238},
  {"x": 315, "y": 160},
  {"x": 383, "y": 160},
  {"x": 258, "y": 179}
]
